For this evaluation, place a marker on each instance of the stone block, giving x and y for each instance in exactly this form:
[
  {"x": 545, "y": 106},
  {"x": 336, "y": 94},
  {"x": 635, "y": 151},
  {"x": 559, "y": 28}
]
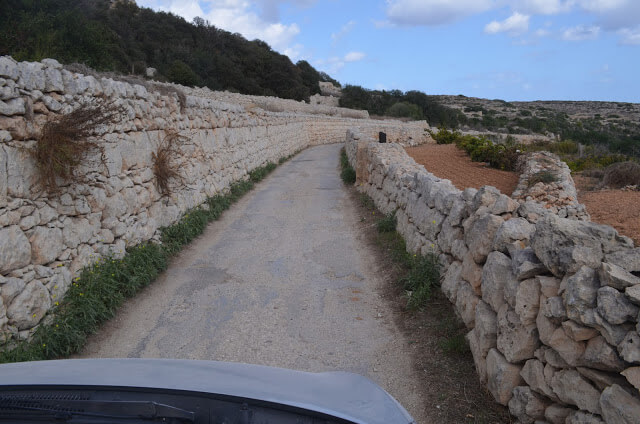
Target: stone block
[
  {"x": 528, "y": 300},
  {"x": 614, "y": 306},
  {"x": 486, "y": 327},
  {"x": 466, "y": 301},
  {"x": 526, "y": 264},
  {"x": 46, "y": 245},
  {"x": 569, "y": 350},
  {"x": 451, "y": 281},
  {"x": 479, "y": 237},
  {"x": 502, "y": 377},
  {"x": 629, "y": 348},
  {"x": 515, "y": 229},
  {"x": 533, "y": 375},
  {"x": 526, "y": 405},
  {"x": 616, "y": 277},
  {"x": 15, "y": 249},
  {"x": 472, "y": 273},
  {"x": 516, "y": 341},
  {"x": 573, "y": 389},
  {"x": 495, "y": 275},
  {"x": 618, "y": 406},
  {"x": 30, "y": 306},
  {"x": 581, "y": 294}
]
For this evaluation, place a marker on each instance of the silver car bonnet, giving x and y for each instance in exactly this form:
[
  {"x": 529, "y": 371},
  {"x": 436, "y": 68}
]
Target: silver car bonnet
[{"x": 340, "y": 394}]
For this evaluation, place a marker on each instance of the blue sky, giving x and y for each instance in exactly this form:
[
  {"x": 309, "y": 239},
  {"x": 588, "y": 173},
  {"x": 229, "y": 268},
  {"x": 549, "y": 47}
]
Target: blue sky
[{"x": 496, "y": 49}]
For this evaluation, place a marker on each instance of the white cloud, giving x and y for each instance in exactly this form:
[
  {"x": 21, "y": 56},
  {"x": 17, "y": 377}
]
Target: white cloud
[
  {"x": 354, "y": 56},
  {"x": 346, "y": 28},
  {"x": 433, "y": 12},
  {"x": 580, "y": 33},
  {"x": 514, "y": 25},
  {"x": 334, "y": 64},
  {"x": 630, "y": 36},
  {"x": 541, "y": 7}
]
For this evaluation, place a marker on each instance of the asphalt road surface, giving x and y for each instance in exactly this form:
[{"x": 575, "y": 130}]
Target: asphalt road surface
[{"x": 282, "y": 279}]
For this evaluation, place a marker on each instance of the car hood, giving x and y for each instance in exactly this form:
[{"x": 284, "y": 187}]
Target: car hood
[{"x": 341, "y": 394}]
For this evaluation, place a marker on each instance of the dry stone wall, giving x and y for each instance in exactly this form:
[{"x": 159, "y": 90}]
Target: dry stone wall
[
  {"x": 551, "y": 303},
  {"x": 45, "y": 239}
]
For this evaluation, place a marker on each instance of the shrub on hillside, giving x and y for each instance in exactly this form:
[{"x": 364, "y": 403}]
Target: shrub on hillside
[{"x": 622, "y": 174}]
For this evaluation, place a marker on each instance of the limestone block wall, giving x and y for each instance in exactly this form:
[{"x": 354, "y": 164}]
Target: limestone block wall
[
  {"x": 45, "y": 239},
  {"x": 551, "y": 303}
]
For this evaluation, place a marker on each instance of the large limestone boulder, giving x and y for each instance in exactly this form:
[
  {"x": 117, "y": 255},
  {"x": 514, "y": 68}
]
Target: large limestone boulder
[
  {"x": 616, "y": 276},
  {"x": 515, "y": 229},
  {"x": 526, "y": 405},
  {"x": 618, "y": 406},
  {"x": 479, "y": 237},
  {"x": 574, "y": 389},
  {"x": 30, "y": 306},
  {"x": 581, "y": 295},
  {"x": 451, "y": 281},
  {"x": 533, "y": 374},
  {"x": 496, "y": 274},
  {"x": 614, "y": 306},
  {"x": 516, "y": 341},
  {"x": 564, "y": 245},
  {"x": 46, "y": 245},
  {"x": 15, "y": 249},
  {"x": 502, "y": 377}
]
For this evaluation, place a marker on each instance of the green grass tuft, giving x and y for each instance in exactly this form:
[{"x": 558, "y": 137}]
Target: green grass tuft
[
  {"x": 101, "y": 288},
  {"x": 348, "y": 174},
  {"x": 387, "y": 224}
]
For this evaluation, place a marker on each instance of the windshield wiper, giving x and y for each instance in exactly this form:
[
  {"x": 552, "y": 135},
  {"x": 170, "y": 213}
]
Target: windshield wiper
[{"x": 66, "y": 410}]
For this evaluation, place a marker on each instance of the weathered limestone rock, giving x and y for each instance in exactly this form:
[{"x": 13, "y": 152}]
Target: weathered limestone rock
[
  {"x": 545, "y": 327},
  {"x": 580, "y": 417},
  {"x": 528, "y": 300},
  {"x": 602, "y": 379},
  {"x": 478, "y": 355},
  {"x": 486, "y": 327},
  {"x": 502, "y": 377},
  {"x": 495, "y": 275},
  {"x": 570, "y": 350},
  {"x": 472, "y": 273},
  {"x": 77, "y": 231},
  {"x": 629, "y": 348},
  {"x": 533, "y": 374},
  {"x": 12, "y": 107},
  {"x": 600, "y": 355},
  {"x": 485, "y": 196},
  {"x": 618, "y": 406},
  {"x": 574, "y": 389},
  {"x": 504, "y": 204},
  {"x": 627, "y": 259},
  {"x": 512, "y": 230},
  {"x": 553, "y": 308},
  {"x": 526, "y": 405},
  {"x": 557, "y": 414},
  {"x": 480, "y": 236},
  {"x": 549, "y": 286},
  {"x": 451, "y": 281},
  {"x": 15, "y": 250},
  {"x": 614, "y": 334},
  {"x": 30, "y": 306},
  {"x": 526, "y": 264},
  {"x": 581, "y": 294},
  {"x": 616, "y": 277},
  {"x": 578, "y": 332},
  {"x": 466, "y": 301},
  {"x": 633, "y": 293},
  {"x": 516, "y": 341},
  {"x": 633, "y": 376},
  {"x": 614, "y": 306},
  {"x": 564, "y": 245},
  {"x": 46, "y": 244},
  {"x": 10, "y": 288}
]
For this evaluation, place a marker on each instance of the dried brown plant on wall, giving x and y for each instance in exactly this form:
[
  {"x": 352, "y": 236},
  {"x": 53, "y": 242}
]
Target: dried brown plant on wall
[
  {"x": 66, "y": 142},
  {"x": 165, "y": 164}
]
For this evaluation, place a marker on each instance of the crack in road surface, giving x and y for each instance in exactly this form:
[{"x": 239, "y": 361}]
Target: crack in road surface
[{"x": 282, "y": 279}]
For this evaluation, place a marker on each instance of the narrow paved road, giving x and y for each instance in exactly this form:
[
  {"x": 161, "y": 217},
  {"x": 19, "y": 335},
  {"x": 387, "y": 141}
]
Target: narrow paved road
[{"x": 282, "y": 279}]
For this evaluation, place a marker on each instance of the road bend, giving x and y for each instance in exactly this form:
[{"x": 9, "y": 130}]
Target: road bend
[{"x": 283, "y": 279}]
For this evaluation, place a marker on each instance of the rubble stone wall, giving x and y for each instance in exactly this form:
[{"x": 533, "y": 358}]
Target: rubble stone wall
[
  {"x": 45, "y": 239},
  {"x": 551, "y": 303}
]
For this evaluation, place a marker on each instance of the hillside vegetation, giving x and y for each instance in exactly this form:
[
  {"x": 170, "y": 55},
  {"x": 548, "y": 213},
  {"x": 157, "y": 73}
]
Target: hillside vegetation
[{"x": 120, "y": 36}]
